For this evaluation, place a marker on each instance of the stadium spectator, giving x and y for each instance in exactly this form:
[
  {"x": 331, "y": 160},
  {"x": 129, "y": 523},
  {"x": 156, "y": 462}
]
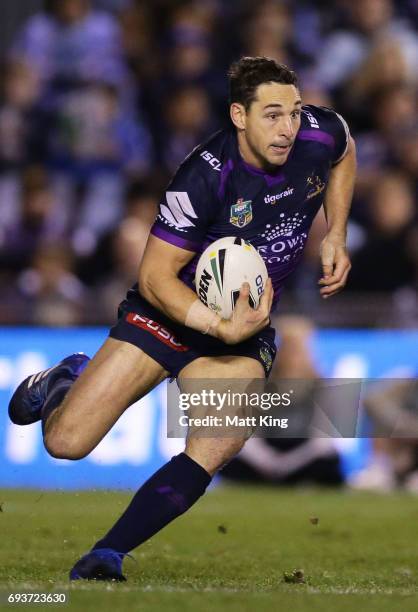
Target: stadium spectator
[
  {"x": 384, "y": 262},
  {"x": 18, "y": 115},
  {"x": 406, "y": 152},
  {"x": 371, "y": 50},
  {"x": 139, "y": 42},
  {"x": 97, "y": 268},
  {"x": 127, "y": 246},
  {"x": 70, "y": 43},
  {"x": 190, "y": 52},
  {"x": 94, "y": 147},
  {"x": 187, "y": 121},
  {"x": 394, "y": 111},
  {"x": 271, "y": 30},
  {"x": 50, "y": 292},
  {"x": 120, "y": 251},
  {"x": 101, "y": 92},
  {"x": 393, "y": 410},
  {"x": 21, "y": 122},
  {"x": 35, "y": 224}
]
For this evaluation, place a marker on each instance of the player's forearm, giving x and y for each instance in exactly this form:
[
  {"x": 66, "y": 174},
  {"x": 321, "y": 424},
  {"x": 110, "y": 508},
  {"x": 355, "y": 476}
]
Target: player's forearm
[
  {"x": 339, "y": 194},
  {"x": 176, "y": 300},
  {"x": 169, "y": 294}
]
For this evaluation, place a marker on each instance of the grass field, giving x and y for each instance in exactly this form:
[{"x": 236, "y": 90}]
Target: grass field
[{"x": 229, "y": 552}]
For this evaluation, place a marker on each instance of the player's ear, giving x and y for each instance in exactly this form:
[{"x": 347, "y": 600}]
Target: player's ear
[{"x": 238, "y": 115}]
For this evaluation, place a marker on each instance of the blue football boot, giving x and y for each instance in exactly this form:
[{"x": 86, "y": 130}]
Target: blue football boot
[
  {"x": 27, "y": 401},
  {"x": 99, "y": 564}
]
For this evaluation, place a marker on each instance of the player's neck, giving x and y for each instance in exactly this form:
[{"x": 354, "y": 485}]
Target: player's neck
[{"x": 251, "y": 158}]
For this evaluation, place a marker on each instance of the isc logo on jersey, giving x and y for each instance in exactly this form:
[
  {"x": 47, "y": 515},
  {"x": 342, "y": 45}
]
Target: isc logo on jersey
[
  {"x": 313, "y": 122},
  {"x": 215, "y": 163},
  {"x": 221, "y": 270}
]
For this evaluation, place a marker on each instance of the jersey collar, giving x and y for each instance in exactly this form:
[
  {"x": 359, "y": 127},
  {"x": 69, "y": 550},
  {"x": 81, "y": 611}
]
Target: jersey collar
[{"x": 273, "y": 178}]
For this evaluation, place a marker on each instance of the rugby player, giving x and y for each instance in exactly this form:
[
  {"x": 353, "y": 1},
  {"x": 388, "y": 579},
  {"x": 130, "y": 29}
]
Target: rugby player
[{"x": 264, "y": 180}]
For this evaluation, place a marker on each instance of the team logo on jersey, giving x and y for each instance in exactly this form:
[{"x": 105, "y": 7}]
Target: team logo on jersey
[
  {"x": 241, "y": 213},
  {"x": 316, "y": 186}
]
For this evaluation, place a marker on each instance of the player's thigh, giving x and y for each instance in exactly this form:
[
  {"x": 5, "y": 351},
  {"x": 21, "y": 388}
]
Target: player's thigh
[
  {"x": 225, "y": 366},
  {"x": 117, "y": 376},
  {"x": 214, "y": 452}
]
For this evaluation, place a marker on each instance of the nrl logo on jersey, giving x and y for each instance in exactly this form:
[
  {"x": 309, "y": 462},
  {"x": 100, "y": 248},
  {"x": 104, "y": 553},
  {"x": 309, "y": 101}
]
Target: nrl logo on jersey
[{"x": 241, "y": 213}]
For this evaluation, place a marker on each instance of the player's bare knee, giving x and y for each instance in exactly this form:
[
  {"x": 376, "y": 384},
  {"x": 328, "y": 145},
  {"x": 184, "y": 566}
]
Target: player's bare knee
[{"x": 62, "y": 445}]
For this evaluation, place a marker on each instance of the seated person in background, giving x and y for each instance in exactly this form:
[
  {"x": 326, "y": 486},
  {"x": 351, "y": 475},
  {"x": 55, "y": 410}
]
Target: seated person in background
[
  {"x": 290, "y": 460},
  {"x": 394, "y": 459}
]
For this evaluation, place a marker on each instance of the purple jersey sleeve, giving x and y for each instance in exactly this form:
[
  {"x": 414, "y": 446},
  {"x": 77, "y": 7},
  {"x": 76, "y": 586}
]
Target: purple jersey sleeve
[
  {"x": 338, "y": 128},
  {"x": 330, "y": 128},
  {"x": 185, "y": 210}
]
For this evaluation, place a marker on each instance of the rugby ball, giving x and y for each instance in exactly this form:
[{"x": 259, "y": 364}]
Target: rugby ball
[{"x": 221, "y": 270}]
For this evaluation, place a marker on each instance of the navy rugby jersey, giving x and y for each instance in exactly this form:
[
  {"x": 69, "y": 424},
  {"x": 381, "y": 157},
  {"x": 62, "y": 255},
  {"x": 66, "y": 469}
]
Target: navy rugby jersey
[{"x": 215, "y": 193}]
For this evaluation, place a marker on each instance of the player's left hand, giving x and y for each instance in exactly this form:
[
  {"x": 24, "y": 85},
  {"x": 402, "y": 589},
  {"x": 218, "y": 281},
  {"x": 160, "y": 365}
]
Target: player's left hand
[{"x": 335, "y": 266}]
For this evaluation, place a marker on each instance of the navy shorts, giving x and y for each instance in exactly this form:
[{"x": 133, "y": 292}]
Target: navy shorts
[{"x": 174, "y": 346}]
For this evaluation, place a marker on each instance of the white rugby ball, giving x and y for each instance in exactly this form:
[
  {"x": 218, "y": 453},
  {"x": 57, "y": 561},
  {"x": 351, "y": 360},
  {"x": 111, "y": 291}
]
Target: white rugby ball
[{"x": 221, "y": 270}]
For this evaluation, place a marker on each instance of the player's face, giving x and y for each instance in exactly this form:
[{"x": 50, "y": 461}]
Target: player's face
[{"x": 272, "y": 123}]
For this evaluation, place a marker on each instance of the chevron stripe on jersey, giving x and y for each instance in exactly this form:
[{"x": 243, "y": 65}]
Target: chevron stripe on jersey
[{"x": 178, "y": 209}]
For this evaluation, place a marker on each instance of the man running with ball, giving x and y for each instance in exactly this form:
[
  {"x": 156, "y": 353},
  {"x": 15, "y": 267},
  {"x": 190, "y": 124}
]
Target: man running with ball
[{"x": 263, "y": 180}]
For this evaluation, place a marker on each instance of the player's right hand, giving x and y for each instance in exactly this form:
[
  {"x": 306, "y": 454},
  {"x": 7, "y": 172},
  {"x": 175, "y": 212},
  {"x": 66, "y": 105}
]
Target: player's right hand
[{"x": 246, "y": 321}]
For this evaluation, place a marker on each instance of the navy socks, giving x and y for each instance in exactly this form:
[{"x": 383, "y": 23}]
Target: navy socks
[{"x": 169, "y": 492}]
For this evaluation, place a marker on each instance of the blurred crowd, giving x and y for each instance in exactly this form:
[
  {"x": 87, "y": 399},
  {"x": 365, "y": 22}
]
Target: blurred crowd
[{"x": 102, "y": 99}]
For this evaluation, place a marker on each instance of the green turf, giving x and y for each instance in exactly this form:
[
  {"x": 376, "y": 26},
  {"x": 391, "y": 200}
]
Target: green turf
[{"x": 362, "y": 554}]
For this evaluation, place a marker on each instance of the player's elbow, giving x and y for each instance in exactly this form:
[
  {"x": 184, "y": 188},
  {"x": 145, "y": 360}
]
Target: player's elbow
[
  {"x": 153, "y": 281},
  {"x": 145, "y": 282}
]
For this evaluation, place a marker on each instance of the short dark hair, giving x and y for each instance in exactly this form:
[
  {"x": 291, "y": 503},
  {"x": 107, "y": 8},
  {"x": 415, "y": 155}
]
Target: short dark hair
[{"x": 246, "y": 74}]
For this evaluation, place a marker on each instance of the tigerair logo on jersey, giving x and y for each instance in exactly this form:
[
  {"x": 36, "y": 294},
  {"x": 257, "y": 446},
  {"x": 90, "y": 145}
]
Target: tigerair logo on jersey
[
  {"x": 316, "y": 186},
  {"x": 178, "y": 211},
  {"x": 241, "y": 213},
  {"x": 273, "y": 199},
  {"x": 157, "y": 330}
]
